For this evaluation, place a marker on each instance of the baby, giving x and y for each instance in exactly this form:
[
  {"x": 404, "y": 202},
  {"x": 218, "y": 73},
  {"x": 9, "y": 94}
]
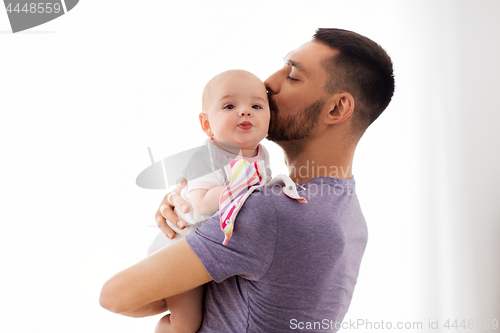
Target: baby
[{"x": 235, "y": 117}]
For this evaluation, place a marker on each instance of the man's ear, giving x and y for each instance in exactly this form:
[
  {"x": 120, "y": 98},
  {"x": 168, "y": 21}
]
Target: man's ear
[
  {"x": 341, "y": 109},
  {"x": 205, "y": 124}
]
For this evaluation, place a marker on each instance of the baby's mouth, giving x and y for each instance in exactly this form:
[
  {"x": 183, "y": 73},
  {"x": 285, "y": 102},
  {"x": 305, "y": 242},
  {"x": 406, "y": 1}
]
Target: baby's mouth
[{"x": 246, "y": 125}]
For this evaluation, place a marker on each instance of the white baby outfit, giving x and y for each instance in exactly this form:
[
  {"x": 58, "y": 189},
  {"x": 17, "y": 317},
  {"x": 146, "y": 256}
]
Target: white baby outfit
[{"x": 223, "y": 166}]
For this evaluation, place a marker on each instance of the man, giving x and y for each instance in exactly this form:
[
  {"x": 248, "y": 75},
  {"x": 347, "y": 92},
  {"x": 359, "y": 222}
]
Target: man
[{"x": 288, "y": 265}]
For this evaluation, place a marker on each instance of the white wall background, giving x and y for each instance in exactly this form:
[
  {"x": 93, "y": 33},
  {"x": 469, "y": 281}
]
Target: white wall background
[{"x": 82, "y": 97}]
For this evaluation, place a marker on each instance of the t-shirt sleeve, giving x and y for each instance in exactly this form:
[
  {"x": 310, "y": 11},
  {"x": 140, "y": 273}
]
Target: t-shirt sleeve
[
  {"x": 250, "y": 251},
  {"x": 206, "y": 182}
]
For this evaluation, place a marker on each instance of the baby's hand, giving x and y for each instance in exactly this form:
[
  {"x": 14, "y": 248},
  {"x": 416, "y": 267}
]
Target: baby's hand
[{"x": 166, "y": 210}]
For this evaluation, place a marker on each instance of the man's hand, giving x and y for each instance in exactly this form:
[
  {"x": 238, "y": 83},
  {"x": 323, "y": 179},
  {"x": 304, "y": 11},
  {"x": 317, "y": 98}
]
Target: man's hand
[{"x": 166, "y": 210}]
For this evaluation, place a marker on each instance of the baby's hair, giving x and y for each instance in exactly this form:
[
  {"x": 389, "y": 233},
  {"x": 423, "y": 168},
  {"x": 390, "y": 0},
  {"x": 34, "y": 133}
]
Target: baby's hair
[{"x": 207, "y": 92}]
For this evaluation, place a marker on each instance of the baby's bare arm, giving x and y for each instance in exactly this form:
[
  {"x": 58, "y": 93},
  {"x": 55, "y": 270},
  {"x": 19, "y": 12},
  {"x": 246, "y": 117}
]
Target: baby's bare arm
[
  {"x": 186, "y": 312},
  {"x": 206, "y": 202}
]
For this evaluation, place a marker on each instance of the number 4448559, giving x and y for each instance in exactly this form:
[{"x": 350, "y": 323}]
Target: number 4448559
[
  {"x": 471, "y": 324},
  {"x": 35, "y": 8}
]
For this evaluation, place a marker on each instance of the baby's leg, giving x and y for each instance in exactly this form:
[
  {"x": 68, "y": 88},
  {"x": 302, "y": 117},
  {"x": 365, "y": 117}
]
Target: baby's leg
[{"x": 186, "y": 312}]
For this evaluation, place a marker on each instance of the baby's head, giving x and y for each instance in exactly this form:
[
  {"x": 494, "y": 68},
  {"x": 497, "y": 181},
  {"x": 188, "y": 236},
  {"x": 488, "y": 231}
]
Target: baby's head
[{"x": 236, "y": 110}]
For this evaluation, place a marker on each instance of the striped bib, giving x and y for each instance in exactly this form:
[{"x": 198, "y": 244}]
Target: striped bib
[{"x": 244, "y": 178}]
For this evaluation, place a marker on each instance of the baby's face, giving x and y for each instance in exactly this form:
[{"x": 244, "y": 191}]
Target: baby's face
[{"x": 238, "y": 110}]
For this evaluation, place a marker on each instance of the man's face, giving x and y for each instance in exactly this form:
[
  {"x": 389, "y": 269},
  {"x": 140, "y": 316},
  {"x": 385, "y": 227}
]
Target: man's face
[{"x": 296, "y": 93}]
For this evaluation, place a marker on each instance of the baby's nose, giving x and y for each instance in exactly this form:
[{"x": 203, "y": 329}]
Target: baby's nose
[{"x": 245, "y": 113}]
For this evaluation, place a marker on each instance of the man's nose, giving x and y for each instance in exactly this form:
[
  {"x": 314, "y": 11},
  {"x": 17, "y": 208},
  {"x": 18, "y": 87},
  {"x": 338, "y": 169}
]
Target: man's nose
[{"x": 272, "y": 83}]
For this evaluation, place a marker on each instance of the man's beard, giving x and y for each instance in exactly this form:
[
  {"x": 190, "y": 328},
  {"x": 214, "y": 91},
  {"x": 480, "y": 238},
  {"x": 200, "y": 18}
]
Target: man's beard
[{"x": 293, "y": 127}]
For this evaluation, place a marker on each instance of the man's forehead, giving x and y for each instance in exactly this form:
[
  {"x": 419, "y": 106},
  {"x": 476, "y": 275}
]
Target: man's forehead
[
  {"x": 285, "y": 57},
  {"x": 308, "y": 55},
  {"x": 305, "y": 45},
  {"x": 291, "y": 55}
]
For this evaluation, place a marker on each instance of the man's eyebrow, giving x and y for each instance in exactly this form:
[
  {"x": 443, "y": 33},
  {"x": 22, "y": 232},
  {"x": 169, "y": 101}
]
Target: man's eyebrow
[{"x": 294, "y": 63}]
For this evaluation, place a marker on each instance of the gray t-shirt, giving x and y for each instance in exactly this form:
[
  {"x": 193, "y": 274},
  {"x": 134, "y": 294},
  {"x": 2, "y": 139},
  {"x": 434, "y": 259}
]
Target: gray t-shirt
[{"x": 288, "y": 265}]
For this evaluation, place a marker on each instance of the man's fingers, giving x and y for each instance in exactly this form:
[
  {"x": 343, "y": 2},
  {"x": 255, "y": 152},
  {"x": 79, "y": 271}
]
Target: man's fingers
[
  {"x": 170, "y": 198},
  {"x": 175, "y": 200},
  {"x": 167, "y": 213},
  {"x": 162, "y": 224},
  {"x": 181, "y": 182}
]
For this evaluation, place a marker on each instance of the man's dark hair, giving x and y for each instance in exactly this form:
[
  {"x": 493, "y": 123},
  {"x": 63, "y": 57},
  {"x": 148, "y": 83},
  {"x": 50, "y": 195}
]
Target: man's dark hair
[{"x": 361, "y": 68}]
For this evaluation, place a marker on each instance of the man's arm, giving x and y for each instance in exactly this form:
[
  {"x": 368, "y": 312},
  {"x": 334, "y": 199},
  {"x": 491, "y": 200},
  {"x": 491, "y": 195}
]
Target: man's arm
[{"x": 138, "y": 291}]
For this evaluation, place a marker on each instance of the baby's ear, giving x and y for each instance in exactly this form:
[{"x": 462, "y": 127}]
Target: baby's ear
[{"x": 205, "y": 124}]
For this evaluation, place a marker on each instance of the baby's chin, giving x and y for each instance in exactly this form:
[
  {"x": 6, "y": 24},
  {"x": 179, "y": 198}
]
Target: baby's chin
[
  {"x": 249, "y": 145},
  {"x": 249, "y": 152},
  {"x": 231, "y": 147},
  {"x": 237, "y": 147}
]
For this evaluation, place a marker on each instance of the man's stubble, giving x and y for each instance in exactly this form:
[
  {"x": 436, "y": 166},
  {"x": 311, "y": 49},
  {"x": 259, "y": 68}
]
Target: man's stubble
[{"x": 296, "y": 127}]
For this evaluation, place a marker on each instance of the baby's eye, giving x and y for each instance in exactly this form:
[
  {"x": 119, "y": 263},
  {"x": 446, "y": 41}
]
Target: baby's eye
[
  {"x": 291, "y": 78},
  {"x": 256, "y": 107},
  {"x": 229, "y": 106}
]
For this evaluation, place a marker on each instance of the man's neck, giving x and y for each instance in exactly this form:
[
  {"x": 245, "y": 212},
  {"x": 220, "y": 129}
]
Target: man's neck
[{"x": 308, "y": 160}]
